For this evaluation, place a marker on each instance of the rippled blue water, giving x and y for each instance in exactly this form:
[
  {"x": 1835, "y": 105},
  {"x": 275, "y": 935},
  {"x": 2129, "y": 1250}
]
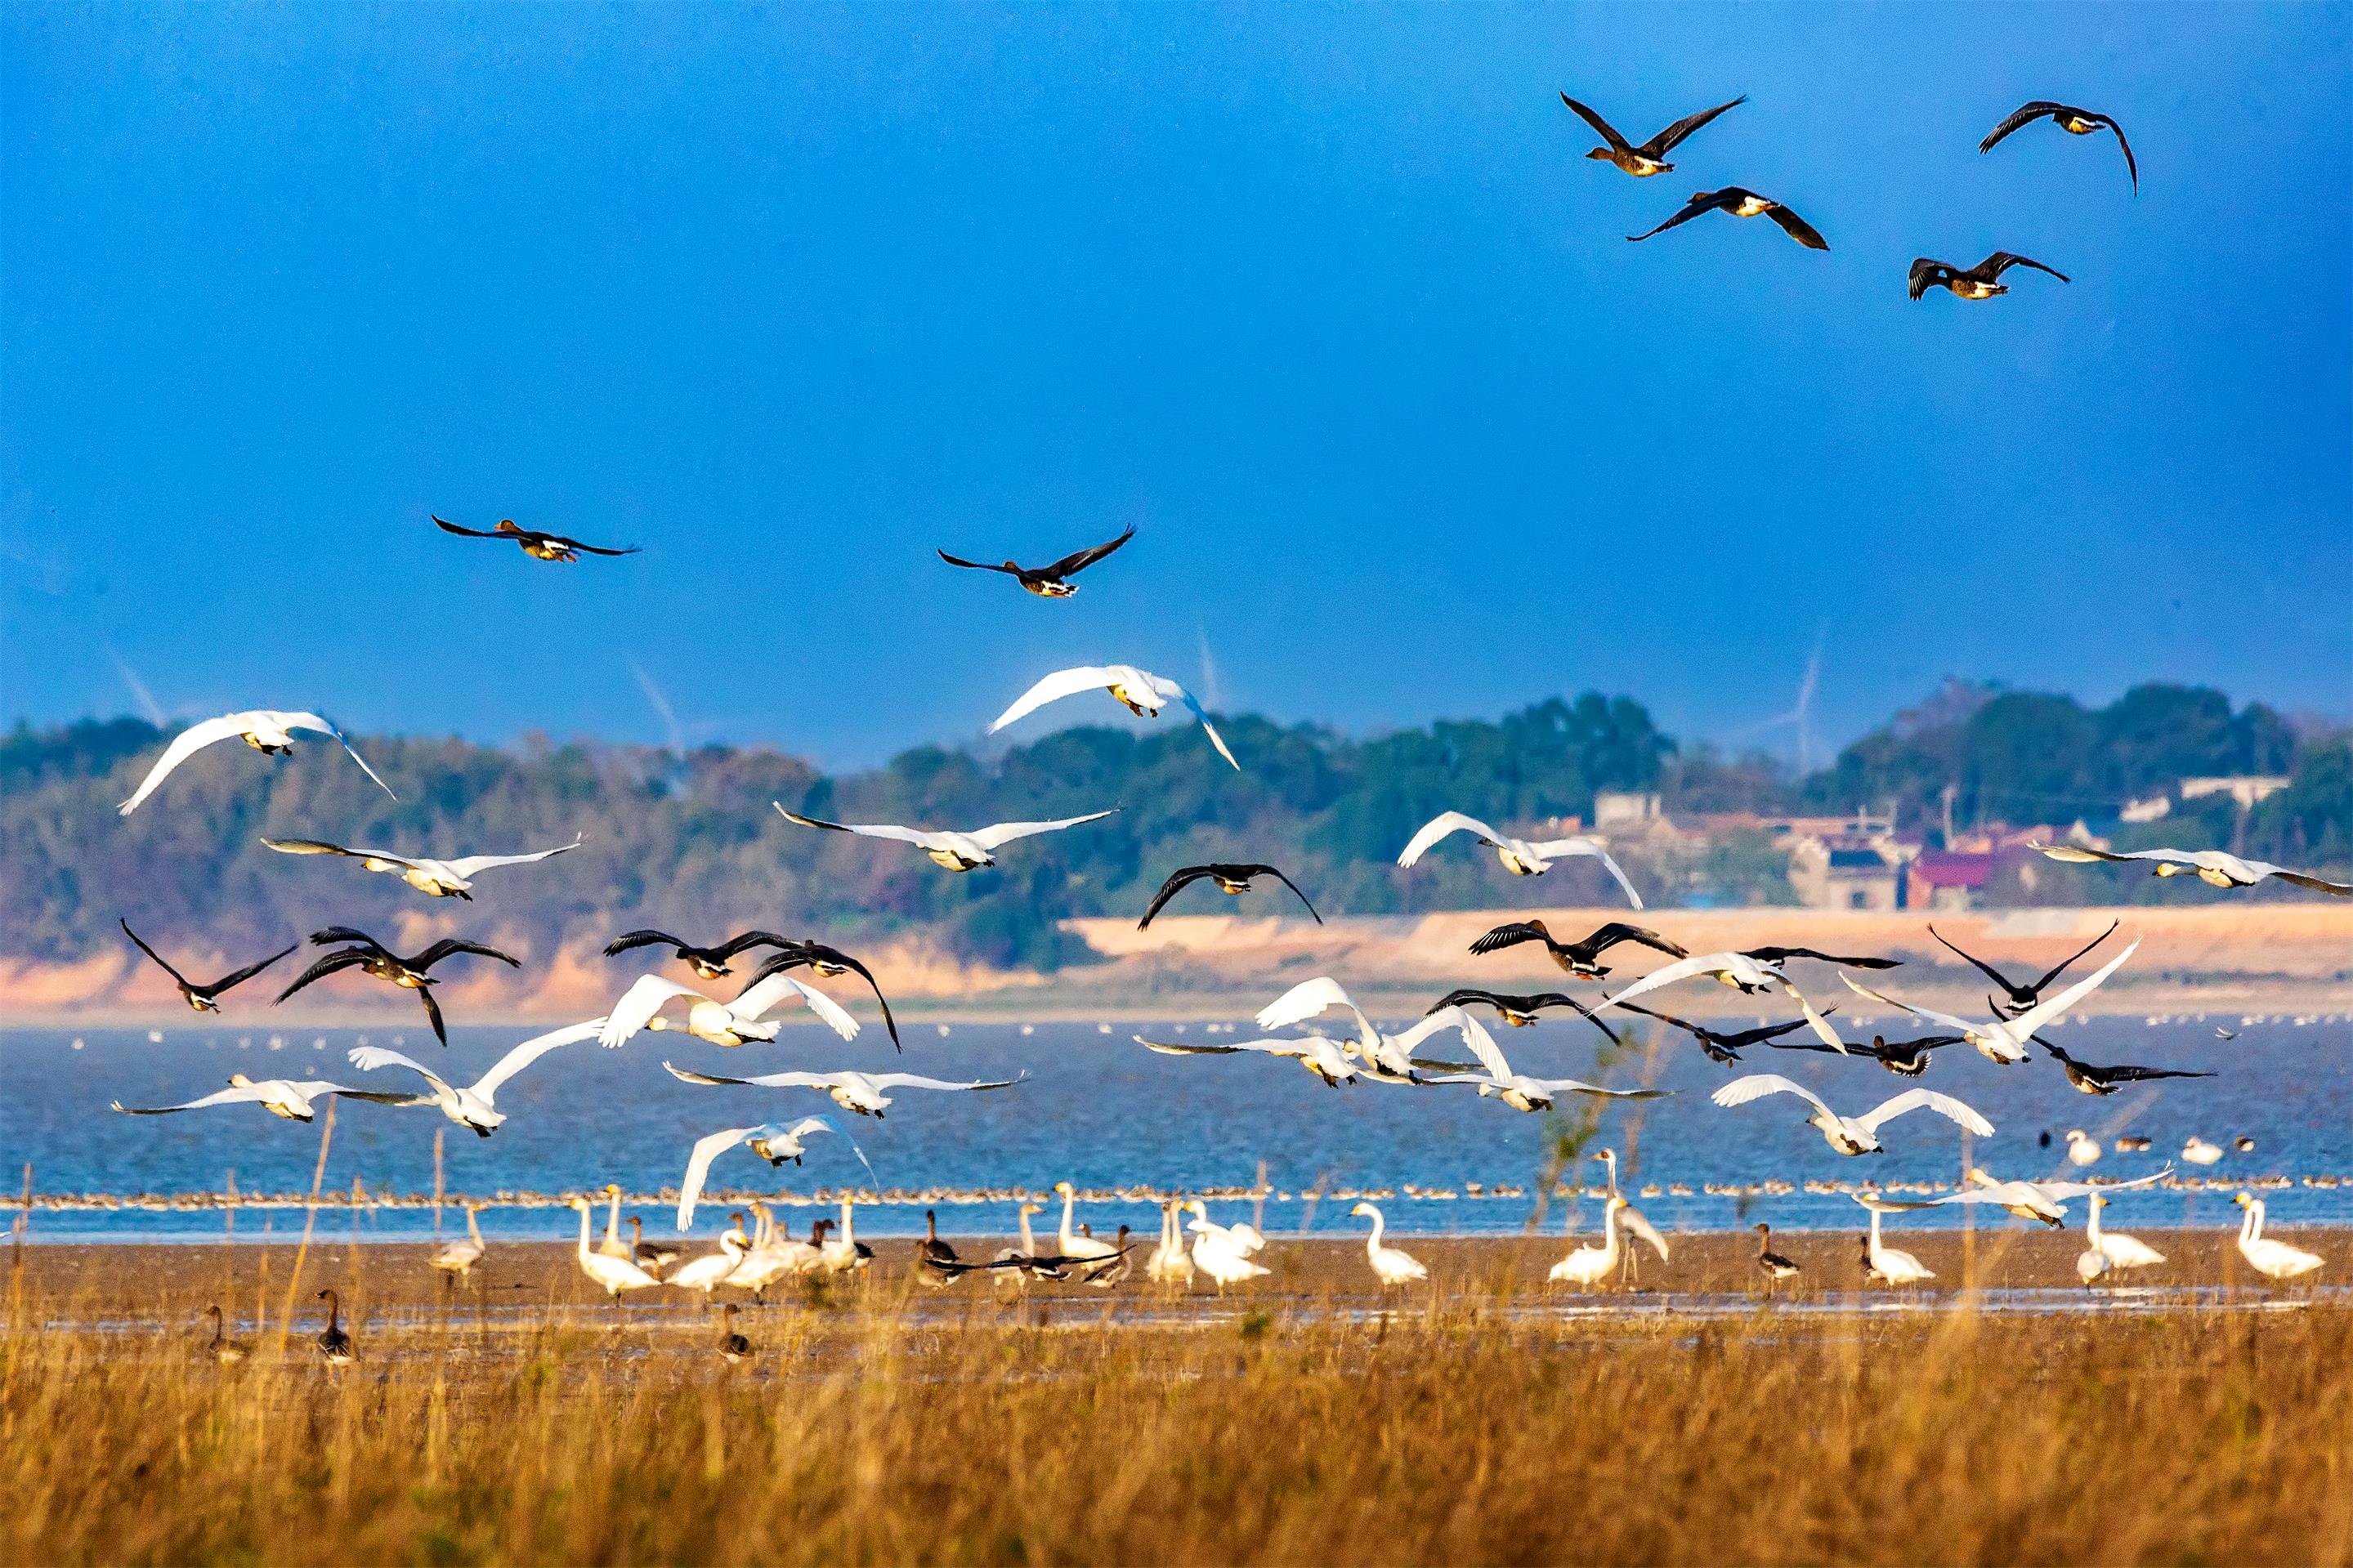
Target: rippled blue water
[{"x": 1101, "y": 1112}]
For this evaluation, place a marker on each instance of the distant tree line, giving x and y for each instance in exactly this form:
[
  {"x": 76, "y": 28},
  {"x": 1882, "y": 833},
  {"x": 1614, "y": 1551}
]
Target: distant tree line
[{"x": 690, "y": 844}]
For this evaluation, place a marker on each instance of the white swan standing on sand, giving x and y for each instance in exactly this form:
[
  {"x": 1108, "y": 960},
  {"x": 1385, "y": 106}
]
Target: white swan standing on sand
[
  {"x": 475, "y": 1105},
  {"x": 1086, "y": 1249},
  {"x": 1217, "y": 1251},
  {"x": 1171, "y": 1262},
  {"x": 2107, "y": 1250},
  {"x": 1586, "y": 1267},
  {"x": 266, "y": 730},
  {"x": 611, "y": 1274},
  {"x": 1889, "y": 1265},
  {"x": 1853, "y": 1134},
  {"x": 457, "y": 1260},
  {"x": 955, "y": 851},
  {"x": 1140, "y": 692},
  {"x": 2005, "y": 1040},
  {"x": 1391, "y": 1266},
  {"x": 774, "y": 1142},
  {"x": 712, "y": 1270},
  {"x": 1521, "y": 857},
  {"x": 720, "y": 1023},
  {"x": 2275, "y": 1259},
  {"x": 1631, "y": 1220}
]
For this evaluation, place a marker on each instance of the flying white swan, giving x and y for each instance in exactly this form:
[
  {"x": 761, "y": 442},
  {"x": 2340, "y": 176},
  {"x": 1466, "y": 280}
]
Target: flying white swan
[
  {"x": 1320, "y": 1056},
  {"x": 956, "y": 851},
  {"x": 266, "y": 730},
  {"x": 720, "y": 1023},
  {"x": 1140, "y": 692},
  {"x": 435, "y": 878},
  {"x": 1852, "y": 1135},
  {"x": 1521, "y": 857},
  {"x": 1750, "y": 976},
  {"x": 611, "y": 1274},
  {"x": 1518, "y": 1090},
  {"x": 2005, "y": 1040},
  {"x": 2210, "y": 866},
  {"x": 1391, "y": 1265},
  {"x": 2042, "y": 1201},
  {"x": 1386, "y": 1059},
  {"x": 772, "y": 1141},
  {"x": 2275, "y": 1259},
  {"x": 858, "y": 1092},
  {"x": 295, "y": 1100},
  {"x": 474, "y": 1105},
  {"x": 2115, "y": 1249}
]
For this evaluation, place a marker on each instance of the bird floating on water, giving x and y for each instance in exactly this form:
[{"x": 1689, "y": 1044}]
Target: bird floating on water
[
  {"x": 1644, "y": 160},
  {"x": 1050, "y": 581},
  {"x": 269, "y": 730}
]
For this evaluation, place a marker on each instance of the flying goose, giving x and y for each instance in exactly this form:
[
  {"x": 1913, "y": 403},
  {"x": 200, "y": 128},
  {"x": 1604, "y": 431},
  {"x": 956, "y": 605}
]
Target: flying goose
[
  {"x": 435, "y": 878},
  {"x": 537, "y": 545},
  {"x": 861, "y": 1093},
  {"x": 1853, "y": 1134},
  {"x": 1521, "y": 857},
  {"x": 1905, "y": 1058},
  {"x": 1644, "y": 161},
  {"x": 373, "y": 958},
  {"x": 2075, "y": 121},
  {"x": 1742, "y": 204},
  {"x": 2208, "y": 866},
  {"x": 2042, "y": 1201},
  {"x": 1580, "y": 958},
  {"x": 294, "y": 1099},
  {"x": 1321, "y": 1057},
  {"x": 1977, "y": 282},
  {"x": 334, "y": 1342},
  {"x": 828, "y": 962},
  {"x": 2090, "y": 1080},
  {"x": 720, "y": 1023},
  {"x": 2004, "y": 1040},
  {"x": 955, "y": 851},
  {"x": 202, "y": 998},
  {"x": 1720, "y": 1047},
  {"x": 1391, "y": 1266},
  {"x": 474, "y": 1106},
  {"x": 1232, "y": 879},
  {"x": 2274, "y": 1260},
  {"x": 1520, "y": 1011},
  {"x": 1516, "y": 1089},
  {"x": 1140, "y": 692},
  {"x": 267, "y": 730},
  {"x": 775, "y": 1142},
  {"x": 2024, "y": 995},
  {"x": 1053, "y": 580},
  {"x": 708, "y": 962}
]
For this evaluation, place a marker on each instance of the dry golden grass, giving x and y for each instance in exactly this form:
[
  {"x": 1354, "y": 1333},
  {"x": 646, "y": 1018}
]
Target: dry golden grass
[{"x": 885, "y": 1428}]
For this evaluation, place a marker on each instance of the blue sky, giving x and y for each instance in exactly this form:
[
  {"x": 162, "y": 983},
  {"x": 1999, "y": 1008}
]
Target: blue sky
[{"x": 1326, "y": 300}]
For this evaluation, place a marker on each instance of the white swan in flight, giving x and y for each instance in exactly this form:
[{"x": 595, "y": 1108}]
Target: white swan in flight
[
  {"x": 774, "y": 1142},
  {"x": 295, "y": 1100},
  {"x": 2043, "y": 1202},
  {"x": 435, "y": 878},
  {"x": 1521, "y": 857},
  {"x": 1853, "y": 1134},
  {"x": 861, "y": 1093},
  {"x": 2210, "y": 866},
  {"x": 956, "y": 851},
  {"x": 474, "y": 1105},
  {"x": 720, "y": 1023},
  {"x": 1386, "y": 1059},
  {"x": 1518, "y": 1090},
  {"x": 2005, "y": 1040},
  {"x": 1140, "y": 692},
  {"x": 265, "y": 730},
  {"x": 1324, "y": 1057}
]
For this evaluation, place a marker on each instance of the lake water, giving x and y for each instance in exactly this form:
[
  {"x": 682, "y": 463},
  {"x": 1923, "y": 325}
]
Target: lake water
[{"x": 1101, "y": 1112}]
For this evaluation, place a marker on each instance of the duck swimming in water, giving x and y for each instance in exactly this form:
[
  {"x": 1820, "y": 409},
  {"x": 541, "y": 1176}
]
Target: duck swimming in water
[
  {"x": 1979, "y": 282},
  {"x": 1644, "y": 161},
  {"x": 2072, "y": 120},
  {"x": 1742, "y": 202}
]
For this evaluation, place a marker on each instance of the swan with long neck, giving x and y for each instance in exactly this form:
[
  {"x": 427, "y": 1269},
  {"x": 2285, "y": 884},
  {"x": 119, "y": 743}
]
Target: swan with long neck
[
  {"x": 1391, "y": 1266},
  {"x": 2274, "y": 1260},
  {"x": 2121, "y": 1251},
  {"x": 1587, "y": 1265},
  {"x": 611, "y": 1274},
  {"x": 1889, "y": 1265},
  {"x": 1217, "y": 1253},
  {"x": 1171, "y": 1262},
  {"x": 457, "y": 1260}
]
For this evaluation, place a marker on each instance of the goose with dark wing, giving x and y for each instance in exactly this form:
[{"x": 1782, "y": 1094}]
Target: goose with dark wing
[
  {"x": 2091, "y": 1079},
  {"x": 1720, "y": 1046},
  {"x": 1520, "y": 1011},
  {"x": 1579, "y": 958},
  {"x": 1742, "y": 202},
  {"x": 1644, "y": 160},
  {"x": 1050, "y": 581},
  {"x": 203, "y": 999},
  {"x": 1232, "y": 879},
  {"x": 1905, "y": 1058},
  {"x": 2072, "y": 120},
  {"x": 708, "y": 962},
  {"x": 828, "y": 962},
  {"x": 1778, "y": 956},
  {"x": 372, "y": 957},
  {"x": 1979, "y": 282},
  {"x": 2023, "y": 997},
  {"x": 537, "y": 545}
]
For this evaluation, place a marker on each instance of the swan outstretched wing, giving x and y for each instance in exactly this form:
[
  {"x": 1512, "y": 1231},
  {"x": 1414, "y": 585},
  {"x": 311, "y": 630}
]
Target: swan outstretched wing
[
  {"x": 1757, "y": 1084},
  {"x": 1639, "y": 1225},
  {"x": 1053, "y": 689},
  {"x": 531, "y": 1051},
  {"x": 1002, "y": 833},
  {"x": 185, "y": 744},
  {"x": 1930, "y": 1013},
  {"x": 1925, "y": 1099},
  {"x": 236, "y": 1094},
  {"x": 471, "y": 866},
  {"x": 755, "y": 1003},
  {"x": 1173, "y": 1048},
  {"x": 1819, "y": 1024},
  {"x": 765, "y": 1080},
  {"x": 1474, "y": 1035},
  {"x": 1437, "y": 827},
  {"x": 312, "y": 722},
  {"x": 2056, "y": 1190},
  {"x": 637, "y": 1006},
  {"x": 1176, "y": 693},
  {"x": 1304, "y": 1001},
  {"x": 917, "y": 1080},
  {"x": 368, "y": 1058},
  {"x": 321, "y": 846},
  {"x": 1560, "y": 848},
  {"x": 698, "y": 1166},
  {"x": 865, "y": 829},
  {"x": 2045, "y": 1012},
  {"x": 1681, "y": 969}
]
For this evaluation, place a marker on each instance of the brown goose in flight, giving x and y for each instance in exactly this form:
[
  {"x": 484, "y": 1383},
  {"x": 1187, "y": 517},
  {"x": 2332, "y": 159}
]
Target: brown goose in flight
[
  {"x": 1519, "y": 1011},
  {"x": 203, "y": 999},
  {"x": 372, "y": 957},
  {"x": 1053, "y": 580},
  {"x": 2023, "y": 997},
  {"x": 2075, "y": 121},
  {"x": 1977, "y": 282},
  {"x": 1232, "y": 879},
  {"x": 1577, "y": 958},
  {"x": 708, "y": 962},
  {"x": 2091, "y": 1079},
  {"x": 1719, "y": 1046},
  {"x": 1742, "y": 202},
  {"x": 1644, "y": 161},
  {"x": 537, "y": 545},
  {"x": 827, "y": 961}
]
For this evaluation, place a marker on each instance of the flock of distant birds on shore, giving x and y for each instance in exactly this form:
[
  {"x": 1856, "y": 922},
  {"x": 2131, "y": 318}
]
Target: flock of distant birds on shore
[{"x": 1190, "y": 1244}]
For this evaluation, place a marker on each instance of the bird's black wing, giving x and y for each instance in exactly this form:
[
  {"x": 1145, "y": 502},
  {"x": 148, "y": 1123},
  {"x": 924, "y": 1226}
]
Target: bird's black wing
[
  {"x": 1606, "y": 937},
  {"x": 646, "y": 938},
  {"x": 1465, "y": 998},
  {"x": 2087, "y": 947},
  {"x": 433, "y": 1017},
  {"x": 1765, "y": 1035},
  {"x": 158, "y": 957},
  {"x": 1278, "y": 876},
  {"x": 2144, "y": 1075},
  {"x": 736, "y": 944},
  {"x": 1927, "y": 273},
  {"x": 835, "y": 955},
  {"x": 1706, "y": 201},
  {"x": 348, "y": 958},
  {"x": 1562, "y": 999},
  {"x": 1783, "y": 954},
  {"x": 1926, "y": 1043},
  {"x": 1511, "y": 935},
  {"x": 451, "y": 944},
  {"x": 977, "y": 566},
  {"x": 1080, "y": 560},
  {"x": 592, "y": 549},
  {"x": 1178, "y": 879},
  {"x": 1689, "y": 1028},
  {"x": 1989, "y": 972},
  {"x": 1796, "y": 228},
  {"x": 1668, "y": 140},
  {"x": 331, "y": 935},
  {"x": 2022, "y": 115},
  {"x": 466, "y": 533},
  {"x": 2056, "y": 1053},
  {"x": 2131, "y": 166},
  {"x": 2002, "y": 261},
  {"x": 247, "y": 973},
  {"x": 1602, "y": 128}
]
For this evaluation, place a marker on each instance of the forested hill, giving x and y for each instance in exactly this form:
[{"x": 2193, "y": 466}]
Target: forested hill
[{"x": 691, "y": 843}]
